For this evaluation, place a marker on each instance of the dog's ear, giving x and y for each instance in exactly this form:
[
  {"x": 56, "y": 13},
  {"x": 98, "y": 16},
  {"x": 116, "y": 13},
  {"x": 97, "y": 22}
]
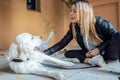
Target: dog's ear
[
  {"x": 13, "y": 51},
  {"x": 25, "y": 50}
]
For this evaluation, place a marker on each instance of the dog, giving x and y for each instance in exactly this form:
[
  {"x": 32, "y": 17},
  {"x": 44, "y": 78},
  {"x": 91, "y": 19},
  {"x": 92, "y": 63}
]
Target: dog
[
  {"x": 26, "y": 59},
  {"x": 45, "y": 44}
]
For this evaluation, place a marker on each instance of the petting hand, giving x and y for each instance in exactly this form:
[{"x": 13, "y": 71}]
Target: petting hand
[{"x": 94, "y": 52}]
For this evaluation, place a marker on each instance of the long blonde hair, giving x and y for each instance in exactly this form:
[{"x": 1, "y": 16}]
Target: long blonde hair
[{"x": 86, "y": 18}]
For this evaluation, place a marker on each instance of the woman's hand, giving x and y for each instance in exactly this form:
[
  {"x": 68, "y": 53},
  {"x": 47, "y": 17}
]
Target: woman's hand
[{"x": 94, "y": 52}]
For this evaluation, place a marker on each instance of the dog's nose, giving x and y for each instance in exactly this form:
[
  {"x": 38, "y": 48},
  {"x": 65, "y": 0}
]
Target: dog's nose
[{"x": 40, "y": 37}]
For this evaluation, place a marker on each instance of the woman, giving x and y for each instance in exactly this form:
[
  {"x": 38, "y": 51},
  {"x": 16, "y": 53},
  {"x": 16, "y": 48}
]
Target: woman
[{"x": 93, "y": 34}]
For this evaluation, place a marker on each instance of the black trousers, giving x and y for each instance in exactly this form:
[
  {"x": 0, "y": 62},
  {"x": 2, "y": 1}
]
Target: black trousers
[
  {"x": 80, "y": 54},
  {"x": 112, "y": 52}
]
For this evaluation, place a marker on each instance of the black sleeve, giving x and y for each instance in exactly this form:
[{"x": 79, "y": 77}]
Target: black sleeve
[
  {"x": 103, "y": 46},
  {"x": 61, "y": 44},
  {"x": 107, "y": 30}
]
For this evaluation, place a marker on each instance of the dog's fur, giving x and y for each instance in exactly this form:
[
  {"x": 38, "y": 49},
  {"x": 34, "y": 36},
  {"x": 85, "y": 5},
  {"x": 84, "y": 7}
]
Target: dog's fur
[
  {"x": 24, "y": 48},
  {"x": 45, "y": 44}
]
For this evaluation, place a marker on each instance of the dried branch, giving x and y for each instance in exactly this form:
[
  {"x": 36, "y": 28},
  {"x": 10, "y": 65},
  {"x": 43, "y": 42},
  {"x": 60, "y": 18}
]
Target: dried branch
[{"x": 66, "y": 3}]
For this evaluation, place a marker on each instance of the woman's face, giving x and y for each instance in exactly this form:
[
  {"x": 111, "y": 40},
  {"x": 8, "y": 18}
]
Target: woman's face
[{"x": 73, "y": 16}]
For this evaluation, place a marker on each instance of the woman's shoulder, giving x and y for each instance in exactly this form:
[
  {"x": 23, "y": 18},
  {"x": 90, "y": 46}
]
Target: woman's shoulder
[
  {"x": 103, "y": 23},
  {"x": 100, "y": 20}
]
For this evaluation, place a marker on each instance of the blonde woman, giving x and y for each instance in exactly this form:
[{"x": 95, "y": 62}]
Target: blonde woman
[{"x": 94, "y": 35}]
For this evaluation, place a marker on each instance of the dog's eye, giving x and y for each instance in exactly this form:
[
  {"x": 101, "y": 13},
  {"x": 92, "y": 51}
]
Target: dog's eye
[{"x": 32, "y": 38}]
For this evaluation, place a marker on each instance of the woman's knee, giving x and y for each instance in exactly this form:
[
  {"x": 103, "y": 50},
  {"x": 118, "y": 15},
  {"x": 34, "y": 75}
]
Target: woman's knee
[{"x": 67, "y": 54}]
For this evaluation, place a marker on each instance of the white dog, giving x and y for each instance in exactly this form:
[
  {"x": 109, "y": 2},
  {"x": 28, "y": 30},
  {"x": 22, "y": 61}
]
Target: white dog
[
  {"x": 25, "y": 58},
  {"x": 45, "y": 44}
]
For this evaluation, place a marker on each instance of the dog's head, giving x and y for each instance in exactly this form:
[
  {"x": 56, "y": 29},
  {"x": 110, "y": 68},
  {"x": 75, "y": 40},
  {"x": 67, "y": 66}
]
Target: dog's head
[
  {"x": 24, "y": 45},
  {"x": 28, "y": 40}
]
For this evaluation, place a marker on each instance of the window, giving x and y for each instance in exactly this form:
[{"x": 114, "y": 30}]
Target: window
[{"x": 33, "y": 5}]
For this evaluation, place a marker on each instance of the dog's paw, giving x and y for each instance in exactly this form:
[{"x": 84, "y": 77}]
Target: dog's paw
[
  {"x": 70, "y": 64},
  {"x": 60, "y": 76},
  {"x": 74, "y": 60}
]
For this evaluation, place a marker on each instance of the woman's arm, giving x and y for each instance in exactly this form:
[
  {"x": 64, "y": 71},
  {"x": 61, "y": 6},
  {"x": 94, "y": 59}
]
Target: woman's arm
[
  {"x": 103, "y": 46},
  {"x": 61, "y": 44},
  {"x": 107, "y": 30}
]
